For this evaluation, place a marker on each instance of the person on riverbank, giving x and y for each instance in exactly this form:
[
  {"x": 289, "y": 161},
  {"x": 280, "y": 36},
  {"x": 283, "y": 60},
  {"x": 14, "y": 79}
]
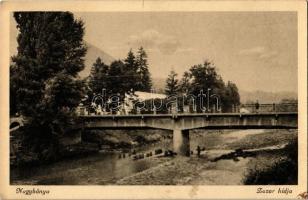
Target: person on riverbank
[{"x": 198, "y": 151}]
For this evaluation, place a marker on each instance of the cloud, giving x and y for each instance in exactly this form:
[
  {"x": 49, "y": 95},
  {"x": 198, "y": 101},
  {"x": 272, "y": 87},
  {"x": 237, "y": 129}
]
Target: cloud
[
  {"x": 270, "y": 54},
  {"x": 252, "y": 51},
  {"x": 153, "y": 40},
  {"x": 259, "y": 52},
  {"x": 185, "y": 50}
]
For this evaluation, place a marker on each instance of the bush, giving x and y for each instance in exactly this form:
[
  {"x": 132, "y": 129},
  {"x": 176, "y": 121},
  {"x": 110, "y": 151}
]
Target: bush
[{"x": 282, "y": 172}]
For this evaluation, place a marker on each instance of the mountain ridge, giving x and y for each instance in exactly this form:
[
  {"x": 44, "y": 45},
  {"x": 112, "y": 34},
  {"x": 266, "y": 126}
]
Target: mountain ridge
[
  {"x": 266, "y": 97},
  {"x": 92, "y": 54}
]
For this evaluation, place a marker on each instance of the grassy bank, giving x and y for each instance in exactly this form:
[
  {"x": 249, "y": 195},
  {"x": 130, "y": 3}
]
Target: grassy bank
[{"x": 268, "y": 169}]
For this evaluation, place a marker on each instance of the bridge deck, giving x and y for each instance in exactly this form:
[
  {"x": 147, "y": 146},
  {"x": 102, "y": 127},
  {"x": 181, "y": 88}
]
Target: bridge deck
[
  {"x": 190, "y": 115},
  {"x": 194, "y": 121}
]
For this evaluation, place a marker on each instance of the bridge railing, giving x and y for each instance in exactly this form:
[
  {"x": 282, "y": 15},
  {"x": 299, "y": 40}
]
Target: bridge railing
[
  {"x": 243, "y": 108},
  {"x": 274, "y": 107}
]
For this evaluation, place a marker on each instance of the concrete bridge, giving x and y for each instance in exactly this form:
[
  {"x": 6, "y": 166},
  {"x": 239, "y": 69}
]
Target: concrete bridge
[{"x": 180, "y": 124}]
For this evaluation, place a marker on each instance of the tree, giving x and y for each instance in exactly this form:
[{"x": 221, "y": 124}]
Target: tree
[
  {"x": 49, "y": 43},
  {"x": 184, "y": 85},
  {"x": 98, "y": 76},
  {"x": 116, "y": 84},
  {"x": 144, "y": 82},
  {"x": 44, "y": 74},
  {"x": 131, "y": 69},
  {"x": 231, "y": 96},
  {"x": 204, "y": 78},
  {"x": 172, "y": 86},
  {"x": 97, "y": 80},
  {"x": 120, "y": 77}
]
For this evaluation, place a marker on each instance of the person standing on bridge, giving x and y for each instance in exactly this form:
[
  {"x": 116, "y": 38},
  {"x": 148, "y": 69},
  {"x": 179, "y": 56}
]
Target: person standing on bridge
[{"x": 257, "y": 106}]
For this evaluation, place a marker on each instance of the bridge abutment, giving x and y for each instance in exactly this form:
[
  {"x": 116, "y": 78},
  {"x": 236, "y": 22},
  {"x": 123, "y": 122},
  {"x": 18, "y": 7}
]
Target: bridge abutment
[{"x": 181, "y": 142}]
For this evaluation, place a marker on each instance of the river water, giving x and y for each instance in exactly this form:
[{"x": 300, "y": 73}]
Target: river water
[{"x": 102, "y": 168}]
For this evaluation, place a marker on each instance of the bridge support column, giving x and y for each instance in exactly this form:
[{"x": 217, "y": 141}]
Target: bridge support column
[{"x": 181, "y": 142}]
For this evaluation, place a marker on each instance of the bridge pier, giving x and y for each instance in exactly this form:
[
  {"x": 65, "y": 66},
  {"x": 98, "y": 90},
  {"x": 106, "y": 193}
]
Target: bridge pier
[{"x": 181, "y": 142}]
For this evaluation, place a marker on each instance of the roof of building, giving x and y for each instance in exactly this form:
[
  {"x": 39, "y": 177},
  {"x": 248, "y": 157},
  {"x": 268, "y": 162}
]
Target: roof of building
[{"x": 148, "y": 95}]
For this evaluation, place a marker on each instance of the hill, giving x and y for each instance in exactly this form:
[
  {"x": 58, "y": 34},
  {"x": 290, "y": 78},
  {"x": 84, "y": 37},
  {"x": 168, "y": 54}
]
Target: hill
[
  {"x": 266, "y": 97},
  {"x": 159, "y": 84},
  {"x": 92, "y": 54}
]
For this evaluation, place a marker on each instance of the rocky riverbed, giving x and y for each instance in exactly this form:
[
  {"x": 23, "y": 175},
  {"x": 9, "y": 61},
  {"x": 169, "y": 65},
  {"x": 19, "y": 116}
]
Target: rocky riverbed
[{"x": 222, "y": 163}]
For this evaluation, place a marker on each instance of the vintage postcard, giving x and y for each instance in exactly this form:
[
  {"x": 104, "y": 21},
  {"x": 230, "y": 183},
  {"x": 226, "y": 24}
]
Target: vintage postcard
[{"x": 153, "y": 99}]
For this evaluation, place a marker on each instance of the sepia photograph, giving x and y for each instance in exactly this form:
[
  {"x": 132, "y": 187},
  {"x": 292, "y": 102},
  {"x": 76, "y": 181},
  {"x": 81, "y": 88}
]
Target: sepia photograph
[{"x": 154, "y": 98}]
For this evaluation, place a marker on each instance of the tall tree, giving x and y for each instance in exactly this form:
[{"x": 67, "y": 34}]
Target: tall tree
[
  {"x": 44, "y": 73},
  {"x": 231, "y": 96},
  {"x": 98, "y": 76},
  {"x": 204, "y": 77},
  {"x": 131, "y": 69},
  {"x": 172, "y": 86},
  {"x": 49, "y": 43},
  {"x": 144, "y": 82},
  {"x": 117, "y": 85},
  {"x": 184, "y": 85}
]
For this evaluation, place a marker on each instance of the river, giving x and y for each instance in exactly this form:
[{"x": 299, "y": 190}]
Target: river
[
  {"x": 107, "y": 168},
  {"x": 97, "y": 169}
]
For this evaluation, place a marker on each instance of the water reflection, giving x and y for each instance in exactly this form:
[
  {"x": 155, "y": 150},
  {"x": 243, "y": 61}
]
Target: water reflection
[{"x": 101, "y": 168}]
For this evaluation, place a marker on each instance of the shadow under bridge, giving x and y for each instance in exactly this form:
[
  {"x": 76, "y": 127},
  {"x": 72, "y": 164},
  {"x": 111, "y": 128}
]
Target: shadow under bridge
[{"x": 180, "y": 124}]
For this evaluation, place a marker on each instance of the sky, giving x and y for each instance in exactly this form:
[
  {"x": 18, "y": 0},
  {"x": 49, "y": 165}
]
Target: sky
[{"x": 255, "y": 50}]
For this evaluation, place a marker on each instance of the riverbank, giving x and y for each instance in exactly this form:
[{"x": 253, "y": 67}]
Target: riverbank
[{"x": 220, "y": 167}]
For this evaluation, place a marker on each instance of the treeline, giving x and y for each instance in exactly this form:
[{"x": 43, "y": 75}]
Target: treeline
[
  {"x": 201, "y": 85},
  {"x": 120, "y": 77},
  {"x": 201, "y": 82}
]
